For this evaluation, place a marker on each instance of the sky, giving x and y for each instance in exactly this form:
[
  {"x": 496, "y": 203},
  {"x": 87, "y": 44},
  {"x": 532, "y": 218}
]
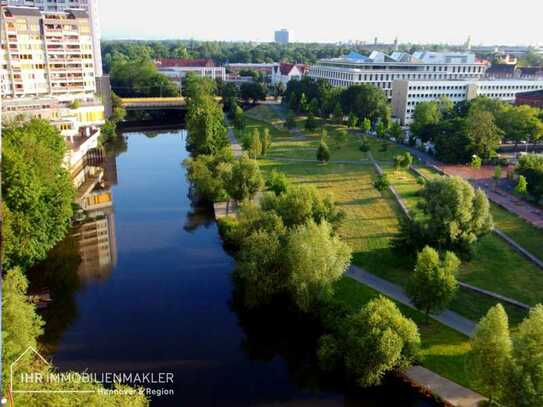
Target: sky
[{"x": 416, "y": 21}]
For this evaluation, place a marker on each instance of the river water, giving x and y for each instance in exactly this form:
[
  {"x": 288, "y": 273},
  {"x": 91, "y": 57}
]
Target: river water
[{"x": 153, "y": 293}]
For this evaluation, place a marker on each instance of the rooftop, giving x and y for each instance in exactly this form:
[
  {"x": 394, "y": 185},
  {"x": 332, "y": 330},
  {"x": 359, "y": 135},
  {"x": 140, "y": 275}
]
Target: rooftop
[
  {"x": 420, "y": 57},
  {"x": 184, "y": 63}
]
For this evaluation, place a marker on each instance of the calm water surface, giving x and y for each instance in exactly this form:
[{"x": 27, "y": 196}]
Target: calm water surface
[{"x": 156, "y": 295}]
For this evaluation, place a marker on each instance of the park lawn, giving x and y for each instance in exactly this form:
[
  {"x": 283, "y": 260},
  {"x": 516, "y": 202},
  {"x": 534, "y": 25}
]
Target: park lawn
[
  {"x": 266, "y": 113},
  {"x": 528, "y": 236},
  {"x": 384, "y": 150},
  {"x": 443, "y": 350}
]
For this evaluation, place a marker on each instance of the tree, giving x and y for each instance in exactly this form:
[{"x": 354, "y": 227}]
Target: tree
[
  {"x": 452, "y": 141},
  {"x": 243, "y": 180},
  {"x": 311, "y": 123},
  {"x": 403, "y": 161},
  {"x": 338, "y": 113},
  {"x": 278, "y": 182},
  {"x": 381, "y": 183},
  {"x": 490, "y": 355},
  {"x": 377, "y": 340},
  {"x": 425, "y": 117},
  {"x": 365, "y": 126},
  {"x": 315, "y": 258},
  {"x": 364, "y": 145},
  {"x": 239, "y": 118},
  {"x": 453, "y": 215},
  {"x": 324, "y": 136},
  {"x": 37, "y": 192},
  {"x": 531, "y": 168},
  {"x": 497, "y": 175},
  {"x": 323, "y": 153},
  {"x": 476, "y": 162},
  {"x": 432, "y": 285},
  {"x": 253, "y": 91},
  {"x": 352, "y": 121},
  {"x": 366, "y": 101},
  {"x": 266, "y": 141},
  {"x": 525, "y": 381},
  {"x": 302, "y": 203},
  {"x": 207, "y": 133},
  {"x": 522, "y": 186},
  {"x": 206, "y": 172},
  {"x": 484, "y": 135},
  {"x": 381, "y": 130},
  {"x": 255, "y": 148},
  {"x": 304, "y": 104},
  {"x": 396, "y": 132},
  {"x": 521, "y": 123}
]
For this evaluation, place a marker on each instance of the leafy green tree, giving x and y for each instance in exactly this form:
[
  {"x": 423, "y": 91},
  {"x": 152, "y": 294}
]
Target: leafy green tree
[
  {"x": 255, "y": 148},
  {"x": 525, "y": 380},
  {"x": 206, "y": 172},
  {"x": 491, "y": 351},
  {"x": 243, "y": 180},
  {"x": 485, "y": 136},
  {"x": 313, "y": 106},
  {"x": 366, "y": 101},
  {"x": 303, "y": 203},
  {"x": 377, "y": 340},
  {"x": 425, "y": 117},
  {"x": 364, "y": 145},
  {"x": 352, "y": 121},
  {"x": 266, "y": 141},
  {"x": 521, "y": 123},
  {"x": 403, "y": 161},
  {"x": 452, "y": 141},
  {"x": 396, "y": 132},
  {"x": 253, "y": 91},
  {"x": 432, "y": 285},
  {"x": 381, "y": 183},
  {"x": 531, "y": 168},
  {"x": 324, "y": 136},
  {"x": 476, "y": 162},
  {"x": 381, "y": 130},
  {"x": 278, "y": 182},
  {"x": 365, "y": 126},
  {"x": 316, "y": 258},
  {"x": 453, "y": 215},
  {"x": 37, "y": 192},
  {"x": 207, "y": 133},
  {"x": 239, "y": 118},
  {"x": 304, "y": 104},
  {"x": 323, "y": 153},
  {"x": 522, "y": 186},
  {"x": 338, "y": 113}
]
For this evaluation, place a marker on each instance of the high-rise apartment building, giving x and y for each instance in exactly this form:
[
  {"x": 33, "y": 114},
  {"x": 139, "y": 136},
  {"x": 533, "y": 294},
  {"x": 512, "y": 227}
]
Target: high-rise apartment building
[{"x": 91, "y": 6}]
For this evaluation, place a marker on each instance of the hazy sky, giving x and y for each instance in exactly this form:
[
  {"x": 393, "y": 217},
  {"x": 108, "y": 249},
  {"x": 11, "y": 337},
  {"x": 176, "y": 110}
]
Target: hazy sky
[{"x": 423, "y": 21}]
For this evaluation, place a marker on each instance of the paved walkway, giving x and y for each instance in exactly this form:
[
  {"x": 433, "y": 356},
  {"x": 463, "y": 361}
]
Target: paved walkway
[
  {"x": 449, "y": 391},
  {"x": 448, "y": 318},
  {"x": 236, "y": 148}
]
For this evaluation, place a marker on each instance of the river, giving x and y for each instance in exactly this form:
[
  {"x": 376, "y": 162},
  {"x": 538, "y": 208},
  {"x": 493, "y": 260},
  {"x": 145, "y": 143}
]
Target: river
[{"x": 154, "y": 294}]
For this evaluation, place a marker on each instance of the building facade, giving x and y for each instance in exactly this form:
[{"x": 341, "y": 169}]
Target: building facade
[
  {"x": 381, "y": 70},
  {"x": 177, "y": 69},
  {"x": 406, "y": 95},
  {"x": 534, "y": 99},
  {"x": 284, "y": 73}
]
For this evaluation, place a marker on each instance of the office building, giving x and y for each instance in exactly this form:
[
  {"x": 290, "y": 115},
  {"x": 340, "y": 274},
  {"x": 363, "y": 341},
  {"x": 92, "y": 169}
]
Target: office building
[
  {"x": 284, "y": 36},
  {"x": 176, "y": 68},
  {"x": 381, "y": 70},
  {"x": 406, "y": 94}
]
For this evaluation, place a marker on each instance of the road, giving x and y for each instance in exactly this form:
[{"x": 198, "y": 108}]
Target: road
[{"x": 448, "y": 318}]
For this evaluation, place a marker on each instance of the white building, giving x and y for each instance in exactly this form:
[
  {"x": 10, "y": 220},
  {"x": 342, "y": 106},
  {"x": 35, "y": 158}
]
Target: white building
[
  {"x": 176, "y": 69},
  {"x": 284, "y": 36},
  {"x": 406, "y": 94},
  {"x": 284, "y": 73},
  {"x": 381, "y": 70}
]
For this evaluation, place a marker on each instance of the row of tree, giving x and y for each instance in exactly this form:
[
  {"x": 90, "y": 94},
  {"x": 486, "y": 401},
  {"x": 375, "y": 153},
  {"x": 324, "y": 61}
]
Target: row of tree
[{"x": 475, "y": 127}]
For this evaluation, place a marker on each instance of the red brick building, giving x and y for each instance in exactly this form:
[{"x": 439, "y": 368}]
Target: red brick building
[{"x": 534, "y": 99}]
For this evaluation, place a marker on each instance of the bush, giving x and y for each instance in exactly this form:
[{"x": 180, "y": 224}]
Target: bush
[
  {"x": 278, "y": 182},
  {"x": 323, "y": 153},
  {"x": 381, "y": 183}
]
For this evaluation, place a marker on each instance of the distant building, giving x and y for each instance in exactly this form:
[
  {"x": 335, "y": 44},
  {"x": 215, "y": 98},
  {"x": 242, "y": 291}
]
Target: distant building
[
  {"x": 284, "y": 36},
  {"x": 284, "y": 73},
  {"x": 407, "y": 94},
  {"x": 381, "y": 70},
  {"x": 507, "y": 71},
  {"x": 177, "y": 69},
  {"x": 534, "y": 99}
]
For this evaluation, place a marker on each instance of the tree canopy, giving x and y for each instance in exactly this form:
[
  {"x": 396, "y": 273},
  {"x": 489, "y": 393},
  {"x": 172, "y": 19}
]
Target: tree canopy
[{"x": 37, "y": 192}]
